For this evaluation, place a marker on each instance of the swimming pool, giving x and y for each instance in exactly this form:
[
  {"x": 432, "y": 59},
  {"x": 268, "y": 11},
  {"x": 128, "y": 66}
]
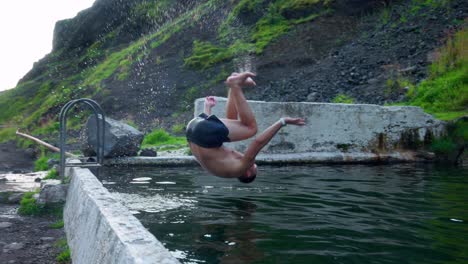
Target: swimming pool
[{"x": 303, "y": 214}]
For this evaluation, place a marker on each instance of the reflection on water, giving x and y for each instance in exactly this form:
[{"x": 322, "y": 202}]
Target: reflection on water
[{"x": 303, "y": 214}]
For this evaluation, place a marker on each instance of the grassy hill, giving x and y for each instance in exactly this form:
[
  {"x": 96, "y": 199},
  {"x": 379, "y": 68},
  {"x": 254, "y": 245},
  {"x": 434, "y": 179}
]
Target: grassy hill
[{"x": 146, "y": 61}]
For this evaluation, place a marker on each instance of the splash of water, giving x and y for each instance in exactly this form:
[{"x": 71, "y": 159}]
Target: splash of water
[
  {"x": 154, "y": 203},
  {"x": 245, "y": 63}
]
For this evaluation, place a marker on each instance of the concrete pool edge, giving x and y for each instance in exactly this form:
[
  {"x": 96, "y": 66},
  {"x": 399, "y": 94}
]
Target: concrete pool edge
[
  {"x": 99, "y": 229},
  {"x": 291, "y": 158}
]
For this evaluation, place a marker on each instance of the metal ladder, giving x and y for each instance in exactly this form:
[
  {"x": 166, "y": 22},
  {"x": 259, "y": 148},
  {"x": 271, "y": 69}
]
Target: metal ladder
[{"x": 100, "y": 122}]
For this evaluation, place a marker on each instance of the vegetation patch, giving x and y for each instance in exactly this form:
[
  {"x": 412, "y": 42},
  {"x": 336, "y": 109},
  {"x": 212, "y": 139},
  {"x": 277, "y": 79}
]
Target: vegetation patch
[
  {"x": 41, "y": 163},
  {"x": 451, "y": 146},
  {"x": 445, "y": 92},
  {"x": 343, "y": 99},
  {"x": 28, "y": 206},
  {"x": 7, "y": 134},
  {"x": 52, "y": 175},
  {"x": 160, "y": 137},
  {"x": 178, "y": 128},
  {"x": 65, "y": 253},
  {"x": 57, "y": 225},
  {"x": 244, "y": 38},
  {"x": 205, "y": 55}
]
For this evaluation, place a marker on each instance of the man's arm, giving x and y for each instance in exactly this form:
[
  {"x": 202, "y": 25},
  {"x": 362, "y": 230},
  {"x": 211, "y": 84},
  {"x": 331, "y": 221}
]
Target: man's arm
[
  {"x": 265, "y": 137},
  {"x": 210, "y": 102}
]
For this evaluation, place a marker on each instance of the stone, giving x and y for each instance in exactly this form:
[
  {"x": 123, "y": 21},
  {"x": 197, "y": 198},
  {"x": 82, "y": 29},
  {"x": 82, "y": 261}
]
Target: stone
[
  {"x": 49, "y": 182},
  {"x": 52, "y": 162},
  {"x": 312, "y": 97},
  {"x": 15, "y": 197},
  {"x": 120, "y": 139},
  {"x": 148, "y": 153},
  {"x": 52, "y": 191},
  {"x": 30, "y": 152},
  {"x": 14, "y": 246},
  {"x": 45, "y": 239},
  {"x": 5, "y": 224}
]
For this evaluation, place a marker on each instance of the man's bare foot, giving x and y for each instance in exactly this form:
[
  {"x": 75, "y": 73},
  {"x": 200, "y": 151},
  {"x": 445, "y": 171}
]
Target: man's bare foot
[{"x": 243, "y": 79}]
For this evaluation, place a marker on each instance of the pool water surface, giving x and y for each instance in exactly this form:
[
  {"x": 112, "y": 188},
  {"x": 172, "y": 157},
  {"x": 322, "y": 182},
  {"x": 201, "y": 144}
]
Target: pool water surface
[{"x": 401, "y": 213}]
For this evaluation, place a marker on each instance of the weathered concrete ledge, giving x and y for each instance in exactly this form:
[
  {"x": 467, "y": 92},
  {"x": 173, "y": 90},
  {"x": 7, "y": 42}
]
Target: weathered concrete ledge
[
  {"x": 153, "y": 161},
  {"x": 291, "y": 158},
  {"x": 343, "y": 131},
  {"x": 101, "y": 230}
]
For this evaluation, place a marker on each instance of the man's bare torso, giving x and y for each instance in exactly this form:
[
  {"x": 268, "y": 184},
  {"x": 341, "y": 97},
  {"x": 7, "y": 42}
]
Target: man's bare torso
[{"x": 223, "y": 162}]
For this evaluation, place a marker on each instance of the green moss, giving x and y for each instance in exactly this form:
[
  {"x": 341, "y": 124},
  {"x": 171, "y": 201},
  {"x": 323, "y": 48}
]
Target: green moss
[
  {"x": 178, "y": 128},
  {"x": 57, "y": 225},
  {"x": 28, "y": 205},
  {"x": 205, "y": 55},
  {"x": 64, "y": 256},
  {"x": 300, "y": 5},
  {"x": 267, "y": 29},
  {"x": 52, "y": 175},
  {"x": 117, "y": 60},
  {"x": 392, "y": 85},
  {"x": 65, "y": 253},
  {"x": 343, "y": 99},
  {"x": 343, "y": 147},
  {"x": 41, "y": 163}
]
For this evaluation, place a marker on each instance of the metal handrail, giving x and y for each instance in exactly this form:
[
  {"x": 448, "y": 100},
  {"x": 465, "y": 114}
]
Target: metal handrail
[{"x": 100, "y": 122}]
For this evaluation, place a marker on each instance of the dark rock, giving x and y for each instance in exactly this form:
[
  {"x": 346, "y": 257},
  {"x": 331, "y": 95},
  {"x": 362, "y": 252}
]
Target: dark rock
[
  {"x": 148, "y": 153},
  {"x": 30, "y": 152},
  {"x": 120, "y": 139},
  {"x": 52, "y": 162},
  {"x": 37, "y": 180},
  {"x": 15, "y": 197}
]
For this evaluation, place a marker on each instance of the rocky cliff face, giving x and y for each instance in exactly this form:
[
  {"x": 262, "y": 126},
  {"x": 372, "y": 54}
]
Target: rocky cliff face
[{"x": 146, "y": 61}]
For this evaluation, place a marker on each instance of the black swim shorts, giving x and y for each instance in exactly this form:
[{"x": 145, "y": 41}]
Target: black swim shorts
[{"x": 207, "y": 131}]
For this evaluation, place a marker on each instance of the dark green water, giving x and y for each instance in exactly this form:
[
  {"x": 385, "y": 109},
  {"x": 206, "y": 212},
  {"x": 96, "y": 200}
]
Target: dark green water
[{"x": 303, "y": 214}]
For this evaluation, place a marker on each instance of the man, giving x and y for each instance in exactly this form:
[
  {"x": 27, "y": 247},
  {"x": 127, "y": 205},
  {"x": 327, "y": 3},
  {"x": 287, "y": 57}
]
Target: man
[{"x": 207, "y": 133}]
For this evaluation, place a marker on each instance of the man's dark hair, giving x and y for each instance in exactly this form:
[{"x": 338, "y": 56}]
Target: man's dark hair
[{"x": 246, "y": 179}]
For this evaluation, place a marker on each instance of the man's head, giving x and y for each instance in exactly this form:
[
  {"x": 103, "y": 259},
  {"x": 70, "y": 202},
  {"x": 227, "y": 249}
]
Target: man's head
[{"x": 250, "y": 175}]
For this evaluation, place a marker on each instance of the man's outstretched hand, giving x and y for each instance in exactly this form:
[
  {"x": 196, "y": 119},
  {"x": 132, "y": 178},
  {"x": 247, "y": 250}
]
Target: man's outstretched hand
[
  {"x": 294, "y": 121},
  {"x": 210, "y": 101},
  {"x": 242, "y": 79}
]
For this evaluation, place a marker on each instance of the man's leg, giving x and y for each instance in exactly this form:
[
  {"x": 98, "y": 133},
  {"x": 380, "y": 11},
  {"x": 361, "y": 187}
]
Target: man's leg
[
  {"x": 231, "y": 109},
  {"x": 237, "y": 107}
]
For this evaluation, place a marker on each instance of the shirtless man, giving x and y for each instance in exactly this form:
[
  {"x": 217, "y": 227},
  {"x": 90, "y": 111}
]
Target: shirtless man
[{"x": 207, "y": 133}]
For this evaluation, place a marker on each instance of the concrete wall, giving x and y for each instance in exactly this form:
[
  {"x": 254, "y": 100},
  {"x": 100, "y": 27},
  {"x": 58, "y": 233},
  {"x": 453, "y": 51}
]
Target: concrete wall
[
  {"x": 101, "y": 230},
  {"x": 340, "y": 128}
]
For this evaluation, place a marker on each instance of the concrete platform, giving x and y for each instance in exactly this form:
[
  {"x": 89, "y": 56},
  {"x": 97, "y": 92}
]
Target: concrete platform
[{"x": 101, "y": 230}]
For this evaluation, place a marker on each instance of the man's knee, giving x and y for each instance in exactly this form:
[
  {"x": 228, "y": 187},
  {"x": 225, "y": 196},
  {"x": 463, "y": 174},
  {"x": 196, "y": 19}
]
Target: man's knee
[{"x": 252, "y": 130}]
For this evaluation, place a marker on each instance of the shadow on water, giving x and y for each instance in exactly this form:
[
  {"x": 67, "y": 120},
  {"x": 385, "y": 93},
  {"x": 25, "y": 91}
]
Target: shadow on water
[{"x": 303, "y": 214}]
